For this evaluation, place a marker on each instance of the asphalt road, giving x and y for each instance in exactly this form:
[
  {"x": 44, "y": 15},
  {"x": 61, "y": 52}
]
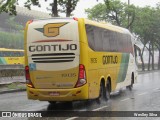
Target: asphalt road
[{"x": 145, "y": 96}]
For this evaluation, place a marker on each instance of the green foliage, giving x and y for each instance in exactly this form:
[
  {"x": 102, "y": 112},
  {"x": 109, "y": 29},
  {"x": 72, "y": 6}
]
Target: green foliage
[
  {"x": 28, "y": 3},
  {"x": 14, "y": 38},
  {"x": 67, "y": 6},
  {"x": 8, "y": 6},
  {"x": 11, "y": 40},
  {"x": 14, "y": 25},
  {"x": 113, "y": 11},
  {"x": 142, "y": 21},
  {"x": 63, "y": 6},
  {"x": 97, "y": 13}
]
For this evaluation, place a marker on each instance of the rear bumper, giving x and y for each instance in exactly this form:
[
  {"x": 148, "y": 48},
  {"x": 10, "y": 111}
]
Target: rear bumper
[{"x": 74, "y": 94}]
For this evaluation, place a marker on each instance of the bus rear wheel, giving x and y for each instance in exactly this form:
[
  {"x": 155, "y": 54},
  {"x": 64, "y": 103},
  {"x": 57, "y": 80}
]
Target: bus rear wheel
[
  {"x": 107, "y": 91},
  {"x": 52, "y": 102},
  {"x": 130, "y": 87},
  {"x": 101, "y": 93}
]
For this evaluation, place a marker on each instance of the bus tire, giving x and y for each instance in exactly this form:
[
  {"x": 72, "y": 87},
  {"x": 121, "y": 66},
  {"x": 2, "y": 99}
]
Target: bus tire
[
  {"x": 130, "y": 87},
  {"x": 101, "y": 93},
  {"x": 52, "y": 102},
  {"x": 107, "y": 91}
]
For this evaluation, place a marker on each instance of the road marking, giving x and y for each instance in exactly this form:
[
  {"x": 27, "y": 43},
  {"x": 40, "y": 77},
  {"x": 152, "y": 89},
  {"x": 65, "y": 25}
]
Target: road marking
[
  {"x": 71, "y": 118},
  {"x": 156, "y": 89},
  {"x": 99, "y": 108},
  {"x": 142, "y": 93},
  {"x": 125, "y": 99}
]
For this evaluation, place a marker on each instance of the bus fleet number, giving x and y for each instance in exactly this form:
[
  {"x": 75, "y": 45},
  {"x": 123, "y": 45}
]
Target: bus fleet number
[{"x": 93, "y": 60}]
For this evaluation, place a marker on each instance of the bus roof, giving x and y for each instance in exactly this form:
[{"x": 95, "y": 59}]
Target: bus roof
[
  {"x": 107, "y": 26},
  {"x": 94, "y": 23}
]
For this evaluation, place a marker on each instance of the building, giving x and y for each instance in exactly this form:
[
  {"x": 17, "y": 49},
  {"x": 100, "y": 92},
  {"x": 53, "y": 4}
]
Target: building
[{"x": 23, "y": 15}]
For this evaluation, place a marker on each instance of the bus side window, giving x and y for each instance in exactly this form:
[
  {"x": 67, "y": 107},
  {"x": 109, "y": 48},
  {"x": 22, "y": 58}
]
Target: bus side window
[
  {"x": 106, "y": 45},
  {"x": 1, "y": 54},
  {"x": 18, "y": 54},
  {"x": 98, "y": 38},
  {"x": 21, "y": 54},
  {"x": 90, "y": 36},
  {"x": 4, "y": 53}
]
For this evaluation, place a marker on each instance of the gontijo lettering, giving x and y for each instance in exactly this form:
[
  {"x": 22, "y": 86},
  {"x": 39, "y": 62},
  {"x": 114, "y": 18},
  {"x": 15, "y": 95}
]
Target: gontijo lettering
[
  {"x": 56, "y": 47},
  {"x": 109, "y": 59}
]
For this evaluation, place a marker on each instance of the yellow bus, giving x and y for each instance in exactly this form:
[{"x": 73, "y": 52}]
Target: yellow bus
[
  {"x": 70, "y": 59},
  {"x": 11, "y": 56}
]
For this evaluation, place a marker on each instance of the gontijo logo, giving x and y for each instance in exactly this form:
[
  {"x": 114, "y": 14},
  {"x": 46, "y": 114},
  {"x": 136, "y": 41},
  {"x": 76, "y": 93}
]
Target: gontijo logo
[{"x": 51, "y": 29}]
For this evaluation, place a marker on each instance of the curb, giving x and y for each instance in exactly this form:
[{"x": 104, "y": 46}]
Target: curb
[
  {"x": 12, "y": 91},
  {"x": 6, "y": 83}
]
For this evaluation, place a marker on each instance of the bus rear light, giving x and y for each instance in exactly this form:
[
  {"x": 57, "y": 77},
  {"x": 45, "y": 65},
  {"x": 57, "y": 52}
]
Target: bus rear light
[
  {"x": 74, "y": 18},
  {"x": 30, "y": 21},
  {"x": 27, "y": 75},
  {"x": 82, "y": 76}
]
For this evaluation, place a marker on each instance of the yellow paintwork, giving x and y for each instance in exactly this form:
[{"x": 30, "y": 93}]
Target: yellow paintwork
[
  {"x": 6, "y": 49},
  {"x": 98, "y": 71},
  {"x": 11, "y": 59},
  {"x": 54, "y": 78},
  {"x": 14, "y": 60},
  {"x": 65, "y": 94},
  {"x": 25, "y": 44}
]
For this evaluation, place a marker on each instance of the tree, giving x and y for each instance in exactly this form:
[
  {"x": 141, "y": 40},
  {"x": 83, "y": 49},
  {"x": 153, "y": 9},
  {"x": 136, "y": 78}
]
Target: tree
[
  {"x": 14, "y": 26},
  {"x": 144, "y": 27},
  {"x": 11, "y": 40},
  {"x": 8, "y": 6},
  {"x": 67, "y": 6},
  {"x": 97, "y": 13},
  {"x": 113, "y": 11},
  {"x": 143, "y": 22},
  {"x": 14, "y": 37},
  {"x": 156, "y": 30}
]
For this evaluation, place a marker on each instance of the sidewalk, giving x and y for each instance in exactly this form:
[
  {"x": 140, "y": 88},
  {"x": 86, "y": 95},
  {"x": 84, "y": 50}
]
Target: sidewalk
[{"x": 12, "y": 84}]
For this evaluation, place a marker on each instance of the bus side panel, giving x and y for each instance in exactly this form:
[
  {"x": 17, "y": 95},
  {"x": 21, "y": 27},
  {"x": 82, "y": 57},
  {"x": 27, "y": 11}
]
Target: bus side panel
[
  {"x": 102, "y": 66},
  {"x": 125, "y": 70},
  {"x": 83, "y": 59}
]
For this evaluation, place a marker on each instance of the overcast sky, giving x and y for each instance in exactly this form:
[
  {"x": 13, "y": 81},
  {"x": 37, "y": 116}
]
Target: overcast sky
[{"x": 84, "y": 4}]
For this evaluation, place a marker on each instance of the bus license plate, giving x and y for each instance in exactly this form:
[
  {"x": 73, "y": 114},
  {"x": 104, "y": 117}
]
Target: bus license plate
[{"x": 54, "y": 94}]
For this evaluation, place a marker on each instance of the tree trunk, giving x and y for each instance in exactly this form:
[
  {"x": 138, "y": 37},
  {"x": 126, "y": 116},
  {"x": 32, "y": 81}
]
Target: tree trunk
[
  {"x": 143, "y": 66},
  {"x": 152, "y": 56},
  {"x": 135, "y": 52},
  {"x": 68, "y": 8},
  {"x": 149, "y": 58},
  {"x": 143, "y": 49},
  {"x": 54, "y": 9},
  {"x": 159, "y": 60}
]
